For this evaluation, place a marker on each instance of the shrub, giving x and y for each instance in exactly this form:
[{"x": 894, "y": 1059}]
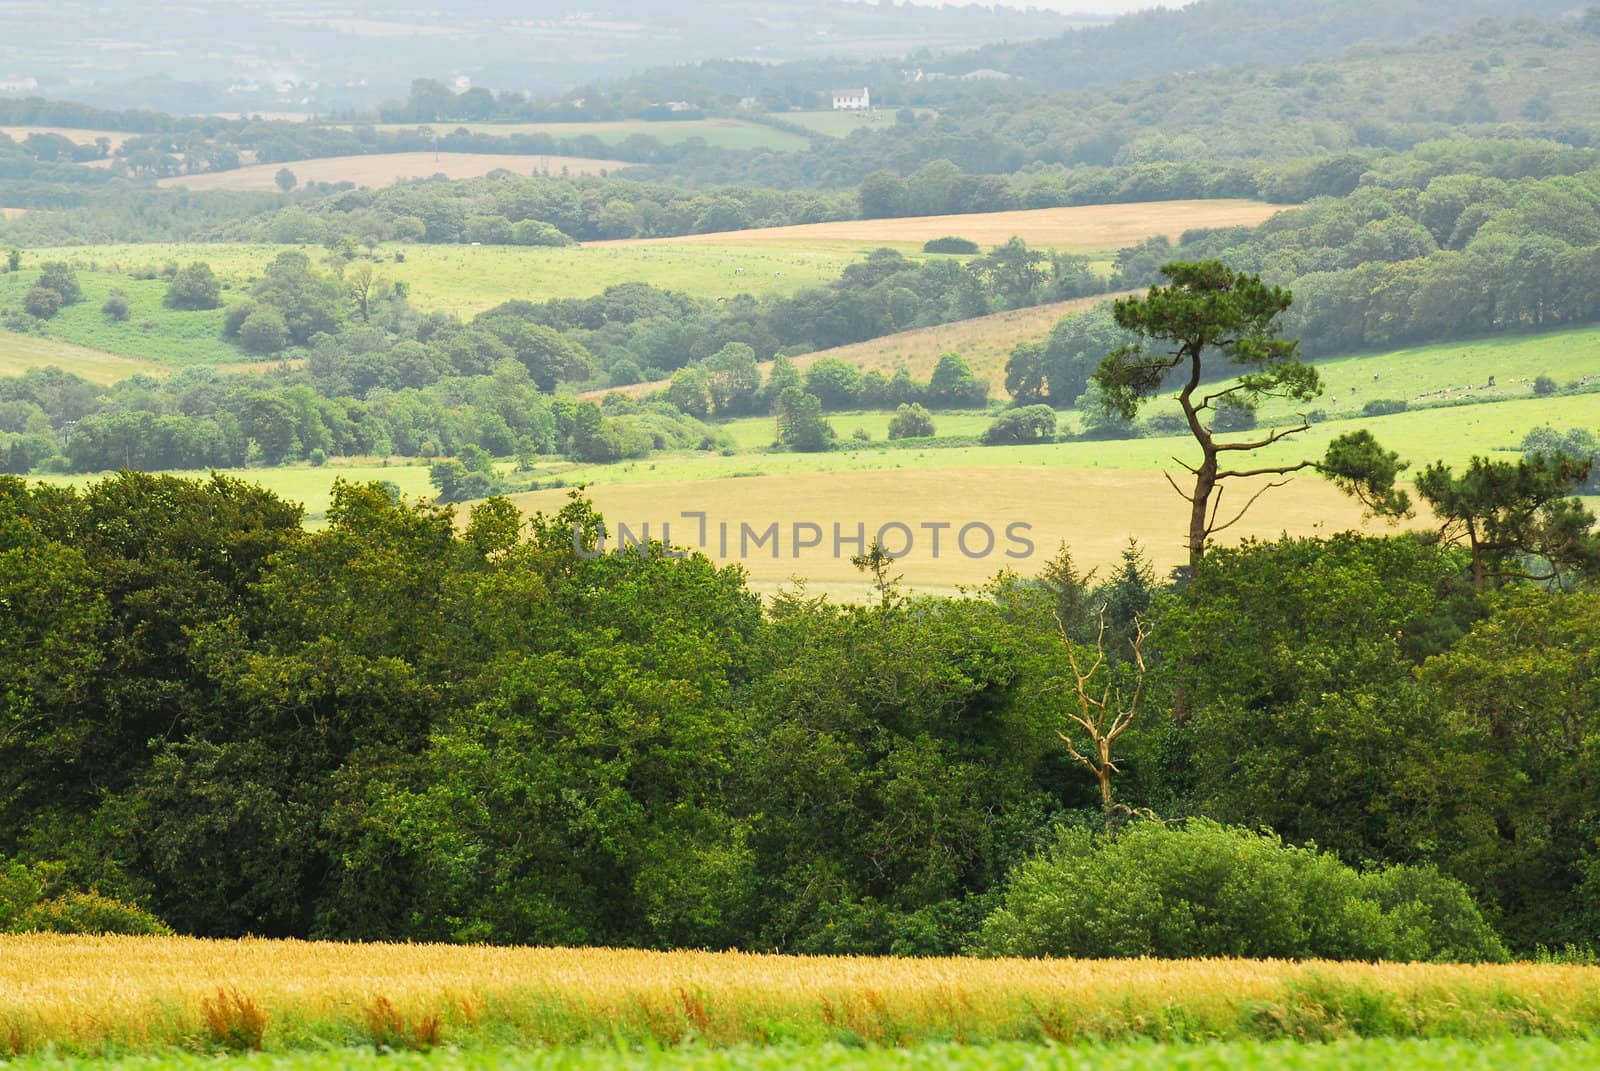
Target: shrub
[
  {"x": 89, "y": 913},
  {"x": 194, "y": 288},
  {"x": 489, "y": 230},
  {"x": 1168, "y": 424},
  {"x": 264, "y": 330},
  {"x": 42, "y": 302},
  {"x": 1384, "y": 407},
  {"x": 911, "y": 422},
  {"x": 950, "y": 244},
  {"x": 1232, "y": 416},
  {"x": 33, "y": 900},
  {"x": 116, "y": 306},
  {"x": 1211, "y": 890},
  {"x": 1030, "y": 424},
  {"x": 537, "y": 232},
  {"x": 59, "y": 276},
  {"x": 234, "y": 318},
  {"x": 1543, "y": 385}
]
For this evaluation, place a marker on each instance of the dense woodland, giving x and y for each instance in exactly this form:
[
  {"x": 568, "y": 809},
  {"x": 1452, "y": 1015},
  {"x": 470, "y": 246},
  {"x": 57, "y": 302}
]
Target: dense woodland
[{"x": 398, "y": 728}]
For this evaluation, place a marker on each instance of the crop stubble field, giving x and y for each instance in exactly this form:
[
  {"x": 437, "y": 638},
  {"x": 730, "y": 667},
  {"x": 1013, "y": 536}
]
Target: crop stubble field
[{"x": 100, "y": 994}]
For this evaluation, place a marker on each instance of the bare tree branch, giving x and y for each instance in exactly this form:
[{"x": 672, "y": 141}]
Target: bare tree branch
[
  {"x": 1277, "y": 434},
  {"x": 1107, "y": 717},
  {"x": 1215, "y": 528}
]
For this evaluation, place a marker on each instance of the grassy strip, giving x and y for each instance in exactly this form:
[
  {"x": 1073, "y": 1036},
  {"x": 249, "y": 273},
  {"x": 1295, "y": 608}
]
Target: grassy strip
[
  {"x": 96, "y": 996},
  {"x": 1358, "y": 1055}
]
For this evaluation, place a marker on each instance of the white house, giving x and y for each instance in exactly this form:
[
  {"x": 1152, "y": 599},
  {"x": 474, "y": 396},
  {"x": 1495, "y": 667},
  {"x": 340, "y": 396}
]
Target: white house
[{"x": 852, "y": 100}]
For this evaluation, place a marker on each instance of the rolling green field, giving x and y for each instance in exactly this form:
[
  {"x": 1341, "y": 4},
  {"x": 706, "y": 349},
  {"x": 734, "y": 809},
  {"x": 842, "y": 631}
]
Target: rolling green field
[
  {"x": 1453, "y": 433},
  {"x": 842, "y": 124},
  {"x": 151, "y": 333},
  {"x": 754, "y": 433},
  {"x": 717, "y": 133},
  {"x": 468, "y": 279},
  {"x": 1457, "y": 371},
  {"x": 1356, "y": 1055}
]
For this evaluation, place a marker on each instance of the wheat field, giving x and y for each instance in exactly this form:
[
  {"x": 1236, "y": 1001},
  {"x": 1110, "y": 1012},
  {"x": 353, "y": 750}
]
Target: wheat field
[{"x": 101, "y": 994}]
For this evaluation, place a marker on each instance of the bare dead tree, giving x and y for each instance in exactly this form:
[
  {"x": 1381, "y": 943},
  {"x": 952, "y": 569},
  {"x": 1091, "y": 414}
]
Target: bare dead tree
[{"x": 1103, "y": 713}]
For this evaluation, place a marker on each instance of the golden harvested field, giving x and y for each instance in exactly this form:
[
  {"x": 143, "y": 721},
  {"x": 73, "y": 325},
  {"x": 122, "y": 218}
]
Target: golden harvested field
[
  {"x": 81, "y": 137},
  {"x": 984, "y": 342},
  {"x": 389, "y": 168},
  {"x": 1091, "y": 229},
  {"x": 1093, "y": 510},
  {"x": 89, "y": 994}
]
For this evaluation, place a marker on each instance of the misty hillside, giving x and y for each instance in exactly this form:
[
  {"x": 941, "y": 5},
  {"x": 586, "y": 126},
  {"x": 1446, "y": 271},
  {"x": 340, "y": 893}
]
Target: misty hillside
[
  {"x": 299, "y": 56},
  {"x": 1207, "y": 34}
]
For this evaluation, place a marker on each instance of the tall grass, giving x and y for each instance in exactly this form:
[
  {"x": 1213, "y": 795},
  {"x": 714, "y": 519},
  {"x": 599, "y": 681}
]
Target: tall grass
[{"x": 99, "y": 995}]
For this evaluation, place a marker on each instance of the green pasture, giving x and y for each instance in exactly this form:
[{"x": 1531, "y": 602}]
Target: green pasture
[
  {"x": 1453, "y": 434},
  {"x": 151, "y": 332},
  {"x": 842, "y": 124},
  {"x": 1456, "y": 371},
  {"x": 468, "y": 279},
  {"x": 756, "y": 433}
]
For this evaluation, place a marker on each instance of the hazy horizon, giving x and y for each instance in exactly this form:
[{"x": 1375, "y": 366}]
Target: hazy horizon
[{"x": 1064, "y": 7}]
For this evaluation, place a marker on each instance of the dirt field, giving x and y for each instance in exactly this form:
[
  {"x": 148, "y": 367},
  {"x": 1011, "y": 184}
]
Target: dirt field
[
  {"x": 390, "y": 168},
  {"x": 11, "y": 213},
  {"x": 1095, "y": 228},
  {"x": 1095, "y": 511}
]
